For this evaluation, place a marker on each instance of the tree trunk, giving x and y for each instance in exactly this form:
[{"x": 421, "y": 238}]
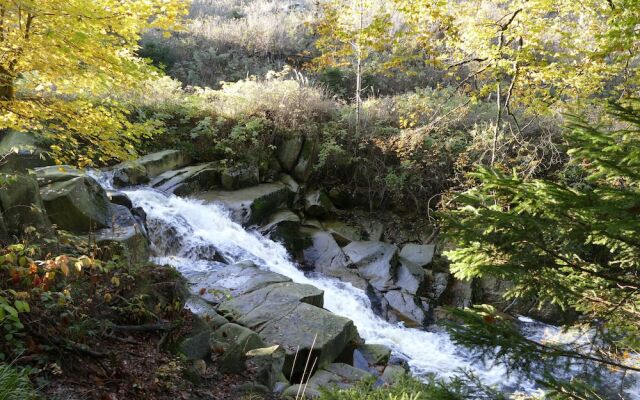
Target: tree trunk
[
  {"x": 496, "y": 131},
  {"x": 7, "y": 88}
]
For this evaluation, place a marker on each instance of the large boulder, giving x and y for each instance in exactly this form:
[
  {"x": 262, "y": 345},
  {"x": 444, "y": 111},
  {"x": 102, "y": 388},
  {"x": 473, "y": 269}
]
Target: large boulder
[
  {"x": 280, "y": 311},
  {"x": 375, "y": 261},
  {"x": 253, "y": 205},
  {"x": 143, "y": 169},
  {"x": 325, "y": 256},
  {"x": 56, "y": 173},
  {"x": 240, "y": 176},
  {"x": 269, "y": 303},
  {"x": 343, "y": 232},
  {"x": 410, "y": 309},
  {"x": 22, "y": 205},
  {"x": 375, "y": 354},
  {"x": 79, "y": 204},
  {"x": 188, "y": 180},
  {"x": 220, "y": 280},
  {"x": 230, "y": 343},
  {"x": 317, "y": 204},
  {"x": 284, "y": 227},
  {"x": 411, "y": 278},
  {"x": 419, "y": 255},
  {"x": 126, "y": 236},
  {"x": 289, "y": 150},
  {"x": 307, "y": 159},
  {"x": 21, "y": 151},
  {"x": 309, "y": 329},
  {"x": 338, "y": 375}
]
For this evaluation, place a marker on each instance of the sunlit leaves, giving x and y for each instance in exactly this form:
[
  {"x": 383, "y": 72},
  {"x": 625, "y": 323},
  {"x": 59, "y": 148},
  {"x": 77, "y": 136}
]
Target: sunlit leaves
[{"x": 63, "y": 60}]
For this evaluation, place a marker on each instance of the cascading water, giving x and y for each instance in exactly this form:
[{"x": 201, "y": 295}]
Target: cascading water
[
  {"x": 183, "y": 229},
  {"x": 200, "y": 225}
]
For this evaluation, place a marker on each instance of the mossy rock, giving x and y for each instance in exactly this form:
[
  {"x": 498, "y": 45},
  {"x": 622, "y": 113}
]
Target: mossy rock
[
  {"x": 78, "y": 205},
  {"x": 22, "y": 205},
  {"x": 23, "y": 152}
]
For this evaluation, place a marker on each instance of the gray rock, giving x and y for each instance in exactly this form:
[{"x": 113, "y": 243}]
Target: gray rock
[
  {"x": 127, "y": 234},
  {"x": 408, "y": 308},
  {"x": 21, "y": 151},
  {"x": 418, "y": 255},
  {"x": 393, "y": 374},
  {"x": 267, "y": 364},
  {"x": 296, "y": 331},
  {"x": 240, "y": 176},
  {"x": 78, "y": 205},
  {"x": 230, "y": 343},
  {"x": 195, "y": 346},
  {"x": 342, "y": 232},
  {"x": 232, "y": 280},
  {"x": 438, "y": 282},
  {"x": 22, "y": 206},
  {"x": 298, "y": 391},
  {"x": 119, "y": 198},
  {"x": 333, "y": 375},
  {"x": 375, "y": 354},
  {"x": 290, "y": 183},
  {"x": 317, "y": 204},
  {"x": 148, "y": 167},
  {"x": 269, "y": 303},
  {"x": 306, "y": 160},
  {"x": 411, "y": 278},
  {"x": 252, "y": 205},
  {"x": 189, "y": 180},
  {"x": 375, "y": 261},
  {"x": 56, "y": 173},
  {"x": 206, "y": 312},
  {"x": 325, "y": 256},
  {"x": 289, "y": 150}
]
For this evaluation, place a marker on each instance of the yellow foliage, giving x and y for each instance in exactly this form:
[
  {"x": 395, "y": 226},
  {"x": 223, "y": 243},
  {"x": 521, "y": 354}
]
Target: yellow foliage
[{"x": 60, "y": 63}]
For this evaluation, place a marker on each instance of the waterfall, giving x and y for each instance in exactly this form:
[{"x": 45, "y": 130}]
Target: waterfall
[
  {"x": 180, "y": 228},
  {"x": 198, "y": 225}
]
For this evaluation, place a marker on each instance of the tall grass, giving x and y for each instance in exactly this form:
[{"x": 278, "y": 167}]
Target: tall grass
[{"x": 15, "y": 384}]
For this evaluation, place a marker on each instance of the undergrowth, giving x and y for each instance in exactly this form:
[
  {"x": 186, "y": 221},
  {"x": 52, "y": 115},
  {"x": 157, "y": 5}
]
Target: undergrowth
[{"x": 15, "y": 384}]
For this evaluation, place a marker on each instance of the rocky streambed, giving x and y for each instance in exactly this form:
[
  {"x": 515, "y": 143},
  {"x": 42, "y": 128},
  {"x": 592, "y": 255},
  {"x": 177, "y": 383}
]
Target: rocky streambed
[{"x": 283, "y": 281}]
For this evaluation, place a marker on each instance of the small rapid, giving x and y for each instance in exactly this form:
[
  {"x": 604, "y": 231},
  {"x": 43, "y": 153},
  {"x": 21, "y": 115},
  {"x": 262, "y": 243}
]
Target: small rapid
[{"x": 199, "y": 224}]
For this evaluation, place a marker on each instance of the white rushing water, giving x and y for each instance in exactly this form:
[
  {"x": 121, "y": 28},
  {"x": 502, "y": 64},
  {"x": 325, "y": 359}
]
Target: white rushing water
[
  {"x": 199, "y": 225},
  {"x": 209, "y": 224}
]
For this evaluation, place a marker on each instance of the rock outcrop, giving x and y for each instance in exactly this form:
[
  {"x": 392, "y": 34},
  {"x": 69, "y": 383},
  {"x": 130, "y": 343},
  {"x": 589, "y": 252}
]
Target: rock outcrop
[
  {"x": 145, "y": 168},
  {"x": 79, "y": 204}
]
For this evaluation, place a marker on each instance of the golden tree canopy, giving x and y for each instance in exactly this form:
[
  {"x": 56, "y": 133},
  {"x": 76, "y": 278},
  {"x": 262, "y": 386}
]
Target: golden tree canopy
[{"x": 61, "y": 61}]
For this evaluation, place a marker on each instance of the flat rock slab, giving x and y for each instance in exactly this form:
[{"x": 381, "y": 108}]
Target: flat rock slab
[
  {"x": 148, "y": 167},
  {"x": 232, "y": 280},
  {"x": 188, "y": 180},
  {"x": 252, "y": 205},
  {"x": 269, "y": 303}
]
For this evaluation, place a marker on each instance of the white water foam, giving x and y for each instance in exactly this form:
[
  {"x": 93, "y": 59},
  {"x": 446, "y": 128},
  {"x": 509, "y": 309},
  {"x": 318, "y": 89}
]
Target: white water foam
[
  {"x": 427, "y": 353},
  {"x": 201, "y": 224}
]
